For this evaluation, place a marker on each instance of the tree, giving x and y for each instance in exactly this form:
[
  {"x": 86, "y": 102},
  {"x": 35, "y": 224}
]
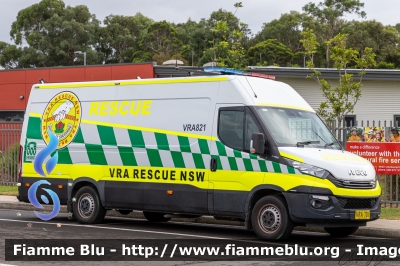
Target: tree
[
  {"x": 120, "y": 37},
  {"x": 54, "y": 33},
  {"x": 30, "y": 21},
  {"x": 161, "y": 37},
  {"x": 9, "y": 55},
  {"x": 228, "y": 41},
  {"x": 287, "y": 30},
  {"x": 272, "y": 51},
  {"x": 194, "y": 37},
  {"x": 340, "y": 99},
  {"x": 330, "y": 17},
  {"x": 382, "y": 39}
]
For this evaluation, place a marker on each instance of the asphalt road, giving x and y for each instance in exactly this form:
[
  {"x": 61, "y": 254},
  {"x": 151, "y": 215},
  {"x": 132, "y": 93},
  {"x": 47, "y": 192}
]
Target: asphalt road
[{"x": 15, "y": 226}]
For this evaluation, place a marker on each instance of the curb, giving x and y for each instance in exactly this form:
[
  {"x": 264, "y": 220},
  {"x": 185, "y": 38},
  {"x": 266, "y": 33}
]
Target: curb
[{"x": 363, "y": 231}]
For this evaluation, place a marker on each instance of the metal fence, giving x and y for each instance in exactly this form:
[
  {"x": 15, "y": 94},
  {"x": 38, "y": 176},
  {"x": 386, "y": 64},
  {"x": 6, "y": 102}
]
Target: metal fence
[{"x": 9, "y": 151}]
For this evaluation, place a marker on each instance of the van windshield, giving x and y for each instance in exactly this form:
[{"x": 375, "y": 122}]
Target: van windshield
[{"x": 291, "y": 127}]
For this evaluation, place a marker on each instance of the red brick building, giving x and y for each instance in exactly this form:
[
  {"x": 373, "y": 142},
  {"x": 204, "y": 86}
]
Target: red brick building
[{"x": 15, "y": 85}]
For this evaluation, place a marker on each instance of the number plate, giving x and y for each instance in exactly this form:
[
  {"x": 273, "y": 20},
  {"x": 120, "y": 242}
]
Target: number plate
[{"x": 362, "y": 215}]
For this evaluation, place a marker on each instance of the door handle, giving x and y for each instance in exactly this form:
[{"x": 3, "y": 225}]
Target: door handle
[{"x": 213, "y": 165}]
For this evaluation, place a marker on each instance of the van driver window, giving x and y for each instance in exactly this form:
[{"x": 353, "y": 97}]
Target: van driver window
[
  {"x": 230, "y": 129},
  {"x": 250, "y": 128}
]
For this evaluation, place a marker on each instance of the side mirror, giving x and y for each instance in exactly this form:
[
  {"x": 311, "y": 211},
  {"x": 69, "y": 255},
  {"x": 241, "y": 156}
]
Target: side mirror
[{"x": 257, "y": 145}]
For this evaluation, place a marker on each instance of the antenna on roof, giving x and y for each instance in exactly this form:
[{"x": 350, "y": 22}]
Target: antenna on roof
[{"x": 42, "y": 81}]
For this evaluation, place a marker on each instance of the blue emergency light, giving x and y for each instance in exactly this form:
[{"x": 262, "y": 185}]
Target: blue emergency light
[{"x": 230, "y": 71}]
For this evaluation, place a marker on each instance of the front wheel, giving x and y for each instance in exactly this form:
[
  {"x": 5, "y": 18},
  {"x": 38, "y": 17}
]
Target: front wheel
[
  {"x": 341, "y": 231},
  {"x": 270, "y": 219},
  {"x": 87, "y": 207},
  {"x": 155, "y": 217}
]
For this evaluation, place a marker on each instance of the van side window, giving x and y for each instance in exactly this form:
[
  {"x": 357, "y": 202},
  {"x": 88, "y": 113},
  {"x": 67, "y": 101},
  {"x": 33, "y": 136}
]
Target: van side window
[
  {"x": 250, "y": 128},
  {"x": 230, "y": 128}
]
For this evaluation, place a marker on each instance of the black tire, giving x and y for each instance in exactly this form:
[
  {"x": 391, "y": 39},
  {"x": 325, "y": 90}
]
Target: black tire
[
  {"x": 270, "y": 219},
  {"x": 87, "y": 207},
  {"x": 155, "y": 217},
  {"x": 341, "y": 231},
  {"x": 124, "y": 212}
]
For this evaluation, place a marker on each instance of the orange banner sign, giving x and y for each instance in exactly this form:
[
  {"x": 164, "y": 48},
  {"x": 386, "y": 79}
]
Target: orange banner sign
[{"x": 384, "y": 156}]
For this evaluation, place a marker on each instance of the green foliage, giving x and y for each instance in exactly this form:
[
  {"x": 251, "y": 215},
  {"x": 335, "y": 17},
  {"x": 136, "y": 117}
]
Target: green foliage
[
  {"x": 48, "y": 33},
  {"x": 329, "y": 17},
  {"x": 271, "y": 50},
  {"x": 227, "y": 41},
  {"x": 382, "y": 39},
  {"x": 287, "y": 30},
  {"x": 9, "y": 162},
  {"x": 120, "y": 37},
  {"x": 53, "y": 32},
  {"x": 161, "y": 37},
  {"x": 9, "y": 55},
  {"x": 340, "y": 98},
  {"x": 385, "y": 65}
]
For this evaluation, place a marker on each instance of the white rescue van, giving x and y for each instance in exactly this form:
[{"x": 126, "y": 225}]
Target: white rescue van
[{"x": 231, "y": 146}]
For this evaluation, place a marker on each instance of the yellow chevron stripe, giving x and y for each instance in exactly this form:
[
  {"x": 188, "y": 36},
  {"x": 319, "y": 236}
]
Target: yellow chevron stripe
[
  {"x": 289, "y": 156},
  {"x": 286, "y": 106},
  {"x": 127, "y": 83}
]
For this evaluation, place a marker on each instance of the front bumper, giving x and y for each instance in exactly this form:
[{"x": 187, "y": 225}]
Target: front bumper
[{"x": 333, "y": 213}]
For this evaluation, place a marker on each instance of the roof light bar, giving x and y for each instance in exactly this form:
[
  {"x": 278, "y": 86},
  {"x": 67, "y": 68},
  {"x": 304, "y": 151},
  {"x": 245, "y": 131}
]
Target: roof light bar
[{"x": 229, "y": 71}]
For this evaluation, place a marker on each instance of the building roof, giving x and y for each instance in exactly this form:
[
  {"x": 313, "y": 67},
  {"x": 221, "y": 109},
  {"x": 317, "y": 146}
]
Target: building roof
[{"x": 290, "y": 72}]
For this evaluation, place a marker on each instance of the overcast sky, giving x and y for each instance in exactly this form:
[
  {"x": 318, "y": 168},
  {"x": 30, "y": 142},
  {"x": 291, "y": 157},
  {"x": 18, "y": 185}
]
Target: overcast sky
[{"x": 254, "y": 12}]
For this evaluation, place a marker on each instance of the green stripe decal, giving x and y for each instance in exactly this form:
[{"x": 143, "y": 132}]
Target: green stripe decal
[
  {"x": 162, "y": 141},
  {"x": 127, "y": 156},
  {"x": 198, "y": 161},
  {"x": 247, "y": 165},
  {"x": 221, "y": 149},
  {"x": 33, "y": 131},
  {"x": 262, "y": 165},
  {"x": 64, "y": 157},
  {"x": 232, "y": 163},
  {"x": 96, "y": 154},
  {"x": 154, "y": 158},
  {"x": 291, "y": 170},
  {"x": 178, "y": 159},
  {"x": 184, "y": 144},
  {"x": 237, "y": 154},
  {"x": 277, "y": 168},
  {"x": 151, "y": 149},
  {"x": 79, "y": 137},
  {"x": 203, "y": 144},
  {"x": 107, "y": 136},
  {"x": 136, "y": 138}
]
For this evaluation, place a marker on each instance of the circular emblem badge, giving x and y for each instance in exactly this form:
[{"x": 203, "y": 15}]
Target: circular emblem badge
[{"x": 62, "y": 116}]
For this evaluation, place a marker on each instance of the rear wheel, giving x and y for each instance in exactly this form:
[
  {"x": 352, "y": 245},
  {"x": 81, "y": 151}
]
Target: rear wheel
[
  {"x": 341, "y": 231},
  {"x": 270, "y": 219},
  {"x": 155, "y": 217},
  {"x": 87, "y": 207}
]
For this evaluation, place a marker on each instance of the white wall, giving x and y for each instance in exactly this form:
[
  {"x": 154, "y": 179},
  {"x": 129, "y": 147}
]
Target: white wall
[{"x": 380, "y": 100}]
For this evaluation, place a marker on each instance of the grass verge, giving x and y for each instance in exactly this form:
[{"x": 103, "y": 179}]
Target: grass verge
[
  {"x": 9, "y": 190},
  {"x": 390, "y": 213}
]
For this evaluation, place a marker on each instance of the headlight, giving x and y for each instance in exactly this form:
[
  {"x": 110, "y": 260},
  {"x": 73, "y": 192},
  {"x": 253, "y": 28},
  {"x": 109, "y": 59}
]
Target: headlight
[{"x": 308, "y": 169}]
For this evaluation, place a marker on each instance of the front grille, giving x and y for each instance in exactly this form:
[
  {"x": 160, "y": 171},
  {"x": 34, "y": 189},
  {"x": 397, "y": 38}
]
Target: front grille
[
  {"x": 357, "y": 203},
  {"x": 352, "y": 183}
]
